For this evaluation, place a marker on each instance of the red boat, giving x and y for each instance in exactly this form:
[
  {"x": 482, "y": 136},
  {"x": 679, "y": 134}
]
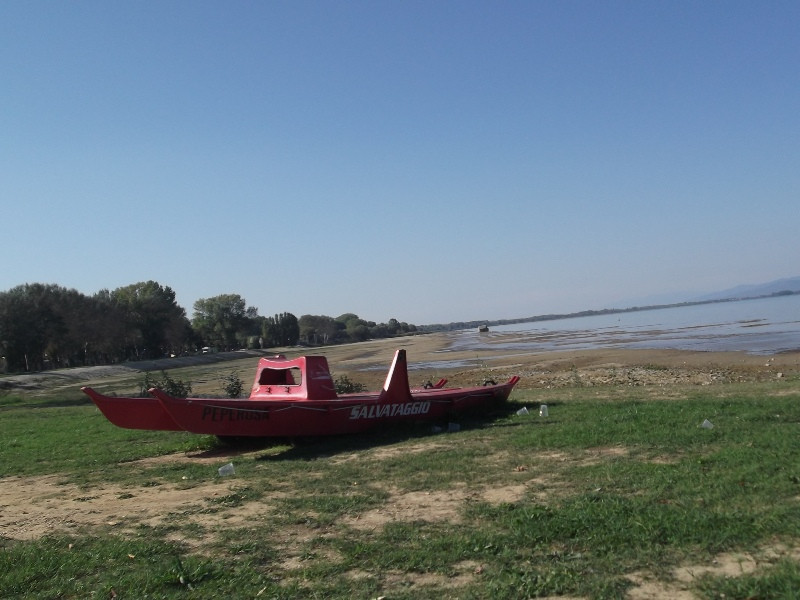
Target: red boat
[
  {"x": 133, "y": 413},
  {"x": 297, "y": 397}
]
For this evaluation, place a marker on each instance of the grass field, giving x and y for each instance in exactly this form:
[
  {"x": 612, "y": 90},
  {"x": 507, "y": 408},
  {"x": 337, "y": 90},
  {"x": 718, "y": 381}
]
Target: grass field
[{"x": 618, "y": 493}]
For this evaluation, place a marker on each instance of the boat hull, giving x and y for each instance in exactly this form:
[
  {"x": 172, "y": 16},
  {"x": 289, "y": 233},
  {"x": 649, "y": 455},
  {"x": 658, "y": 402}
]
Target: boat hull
[
  {"x": 345, "y": 415},
  {"x": 133, "y": 413},
  {"x": 295, "y": 398}
]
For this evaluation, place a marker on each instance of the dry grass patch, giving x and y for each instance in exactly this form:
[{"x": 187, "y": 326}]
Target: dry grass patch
[
  {"x": 595, "y": 456},
  {"x": 428, "y": 506},
  {"x": 389, "y": 452},
  {"x": 463, "y": 574},
  {"x": 33, "y": 507},
  {"x": 728, "y": 565},
  {"x": 296, "y": 558}
]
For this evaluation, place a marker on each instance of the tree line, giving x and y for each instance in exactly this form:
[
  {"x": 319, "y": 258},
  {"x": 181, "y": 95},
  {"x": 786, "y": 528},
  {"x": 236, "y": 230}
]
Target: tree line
[{"x": 47, "y": 326}]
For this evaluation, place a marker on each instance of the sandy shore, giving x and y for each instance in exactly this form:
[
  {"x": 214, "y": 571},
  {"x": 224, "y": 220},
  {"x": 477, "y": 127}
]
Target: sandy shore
[{"x": 430, "y": 358}]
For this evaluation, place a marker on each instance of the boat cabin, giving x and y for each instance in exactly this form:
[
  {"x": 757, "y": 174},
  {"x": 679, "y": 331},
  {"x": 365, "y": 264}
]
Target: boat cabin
[{"x": 301, "y": 378}]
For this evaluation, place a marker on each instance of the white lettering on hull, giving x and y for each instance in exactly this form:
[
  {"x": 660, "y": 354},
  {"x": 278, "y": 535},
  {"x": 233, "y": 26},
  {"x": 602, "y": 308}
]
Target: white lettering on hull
[{"x": 380, "y": 411}]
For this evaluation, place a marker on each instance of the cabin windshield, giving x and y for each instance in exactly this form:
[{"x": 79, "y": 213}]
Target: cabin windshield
[{"x": 290, "y": 376}]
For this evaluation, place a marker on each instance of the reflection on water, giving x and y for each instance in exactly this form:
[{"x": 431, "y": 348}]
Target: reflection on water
[{"x": 763, "y": 326}]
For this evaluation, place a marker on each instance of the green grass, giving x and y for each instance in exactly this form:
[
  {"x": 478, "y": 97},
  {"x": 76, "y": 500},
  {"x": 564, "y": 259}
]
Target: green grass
[
  {"x": 76, "y": 441},
  {"x": 611, "y": 484}
]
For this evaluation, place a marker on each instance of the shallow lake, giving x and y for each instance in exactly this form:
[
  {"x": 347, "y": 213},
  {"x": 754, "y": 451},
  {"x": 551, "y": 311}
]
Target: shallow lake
[{"x": 760, "y": 326}]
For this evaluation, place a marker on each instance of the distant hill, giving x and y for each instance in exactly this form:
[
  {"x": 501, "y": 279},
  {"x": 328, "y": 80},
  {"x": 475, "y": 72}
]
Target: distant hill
[{"x": 791, "y": 284}]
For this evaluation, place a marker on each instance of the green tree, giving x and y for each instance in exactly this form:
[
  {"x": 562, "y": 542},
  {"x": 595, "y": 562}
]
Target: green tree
[
  {"x": 270, "y": 332},
  {"x": 280, "y": 330},
  {"x": 379, "y": 331},
  {"x": 356, "y": 328},
  {"x": 154, "y": 323},
  {"x": 393, "y": 327},
  {"x": 48, "y": 326},
  {"x": 225, "y": 320},
  {"x": 317, "y": 329},
  {"x": 104, "y": 331},
  {"x": 29, "y": 323},
  {"x": 89, "y": 329}
]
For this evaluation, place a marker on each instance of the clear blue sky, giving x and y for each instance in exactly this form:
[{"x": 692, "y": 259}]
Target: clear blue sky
[{"x": 427, "y": 161}]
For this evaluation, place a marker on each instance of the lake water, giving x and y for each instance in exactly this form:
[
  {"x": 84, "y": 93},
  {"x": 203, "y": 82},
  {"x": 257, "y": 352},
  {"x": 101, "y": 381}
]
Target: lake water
[{"x": 762, "y": 326}]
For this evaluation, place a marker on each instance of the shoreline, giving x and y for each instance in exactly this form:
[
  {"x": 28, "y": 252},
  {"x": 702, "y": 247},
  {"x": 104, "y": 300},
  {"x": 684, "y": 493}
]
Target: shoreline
[{"x": 431, "y": 356}]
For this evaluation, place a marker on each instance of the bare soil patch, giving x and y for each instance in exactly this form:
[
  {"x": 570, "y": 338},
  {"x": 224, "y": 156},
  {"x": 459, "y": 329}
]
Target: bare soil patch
[
  {"x": 36, "y": 506},
  {"x": 32, "y": 507},
  {"x": 734, "y": 564},
  {"x": 413, "y": 506},
  {"x": 388, "y": 452}
]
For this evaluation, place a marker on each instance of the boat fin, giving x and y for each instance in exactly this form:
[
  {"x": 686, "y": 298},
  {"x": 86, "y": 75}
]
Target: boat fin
[
  {"x": 396, "y": 388},
  {"x": 91, "y": 393}
]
